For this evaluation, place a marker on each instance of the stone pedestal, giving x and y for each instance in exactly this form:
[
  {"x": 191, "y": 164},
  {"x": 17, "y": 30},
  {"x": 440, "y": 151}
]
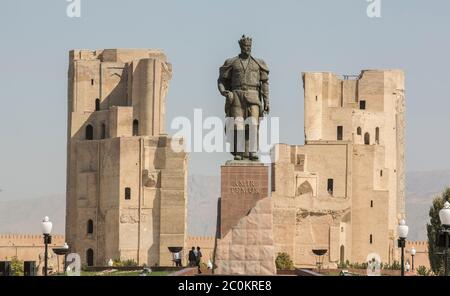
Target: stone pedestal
[
  {"x": 242, "y": 185},
  {"x": 244, "y": 243}
]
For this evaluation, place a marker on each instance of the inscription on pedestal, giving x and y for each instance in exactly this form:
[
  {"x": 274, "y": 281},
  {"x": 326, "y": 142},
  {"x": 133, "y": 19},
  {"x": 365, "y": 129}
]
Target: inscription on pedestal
[
  {"x": 245, "y": 186},
  {"x": 241, "y": 187}
]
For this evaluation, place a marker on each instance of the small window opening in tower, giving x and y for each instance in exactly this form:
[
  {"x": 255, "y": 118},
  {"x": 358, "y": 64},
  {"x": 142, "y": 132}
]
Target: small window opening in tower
[
  {"x": 330, "y": 186},
  {"x": 135, "y": 127},
  {"x": 89, "y": 132},
  {"x": 366, "y": 139},
  {"x": 90, "y": 257},
  {"x": 103, "y": 131},
  {"x": 97, "y": 104},
  {"x": 362, "y": 105},
  {"x": 92, "y": 81},
  {"x": 359, "y": 131},
  {"x": 90, "y": 226},
  {"x": 127, "y": 193},
  {"x": 377, "y": 135},
  {"x": 340, "y": 131}
]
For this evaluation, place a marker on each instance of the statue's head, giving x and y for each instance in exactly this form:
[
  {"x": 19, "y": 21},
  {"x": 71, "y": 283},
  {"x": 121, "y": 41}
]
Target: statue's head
[{"x": 246, "y": 45}]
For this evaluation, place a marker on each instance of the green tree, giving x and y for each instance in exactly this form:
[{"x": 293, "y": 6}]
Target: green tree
[
  {"x": 129, "y": 263},
  {"x": 284, "y": 262},
  {"x": 16, "y": 266},
  {"x": 423, "y": 271},
  {"x": 433, "y": 229}
]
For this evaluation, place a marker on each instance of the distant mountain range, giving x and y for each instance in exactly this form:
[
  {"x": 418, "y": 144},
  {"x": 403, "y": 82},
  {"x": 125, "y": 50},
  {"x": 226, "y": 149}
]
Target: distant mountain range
[
  {"x": 203, "y": 194},
  {"x": 25, "y": 215}
]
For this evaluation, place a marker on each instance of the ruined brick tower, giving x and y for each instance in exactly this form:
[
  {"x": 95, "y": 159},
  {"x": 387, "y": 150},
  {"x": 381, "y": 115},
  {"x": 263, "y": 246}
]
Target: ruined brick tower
[
  {"x": 343, "y": 191},
  {"x": 126, "y": 188}
]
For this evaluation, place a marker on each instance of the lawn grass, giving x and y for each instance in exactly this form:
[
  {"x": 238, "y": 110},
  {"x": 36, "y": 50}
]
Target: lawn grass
[{"x": 120, "y": 273}]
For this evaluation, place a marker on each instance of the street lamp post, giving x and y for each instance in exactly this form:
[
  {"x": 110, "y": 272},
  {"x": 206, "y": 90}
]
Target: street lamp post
[
  {"x": 66, "y": 247},
  {"x": 413, "y": 253},
  {"x": 444, "y": 216},
  {"x": 46, "y": 230},
  {"x": 402, "y": 230}
]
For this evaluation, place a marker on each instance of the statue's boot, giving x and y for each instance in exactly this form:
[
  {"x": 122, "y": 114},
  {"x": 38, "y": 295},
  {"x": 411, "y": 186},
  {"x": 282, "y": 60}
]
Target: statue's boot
[{"x": 238, "y": 156}]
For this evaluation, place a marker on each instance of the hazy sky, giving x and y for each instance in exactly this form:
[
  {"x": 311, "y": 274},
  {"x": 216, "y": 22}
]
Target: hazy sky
[{"x": 292, "y": 36}]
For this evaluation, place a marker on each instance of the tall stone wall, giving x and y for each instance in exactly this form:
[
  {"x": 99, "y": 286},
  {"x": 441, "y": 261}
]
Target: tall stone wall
[
  {"x": 421, "y": 258},
  {"x": 30, "y": 247}
]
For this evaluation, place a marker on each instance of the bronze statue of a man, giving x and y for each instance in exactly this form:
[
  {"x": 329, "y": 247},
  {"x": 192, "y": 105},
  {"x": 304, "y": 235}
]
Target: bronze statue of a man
[{"x": 244, "y": 82}]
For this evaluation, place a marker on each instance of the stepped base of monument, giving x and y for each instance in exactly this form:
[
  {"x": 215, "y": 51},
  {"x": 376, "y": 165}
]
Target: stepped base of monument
[
  {"x": 244, "y": 243},
  {"x": 248, "y": 248}
]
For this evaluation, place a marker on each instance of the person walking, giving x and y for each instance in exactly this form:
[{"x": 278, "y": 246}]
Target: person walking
[
  {"x": 192, "y": 257},
  {"x": 177, "y": 259},
  {"x": 199, "y": 259}
]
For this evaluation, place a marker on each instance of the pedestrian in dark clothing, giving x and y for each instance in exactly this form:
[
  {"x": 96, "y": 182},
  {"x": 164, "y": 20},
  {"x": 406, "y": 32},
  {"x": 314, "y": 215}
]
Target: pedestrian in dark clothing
[{"x": 192, "y": 258}]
